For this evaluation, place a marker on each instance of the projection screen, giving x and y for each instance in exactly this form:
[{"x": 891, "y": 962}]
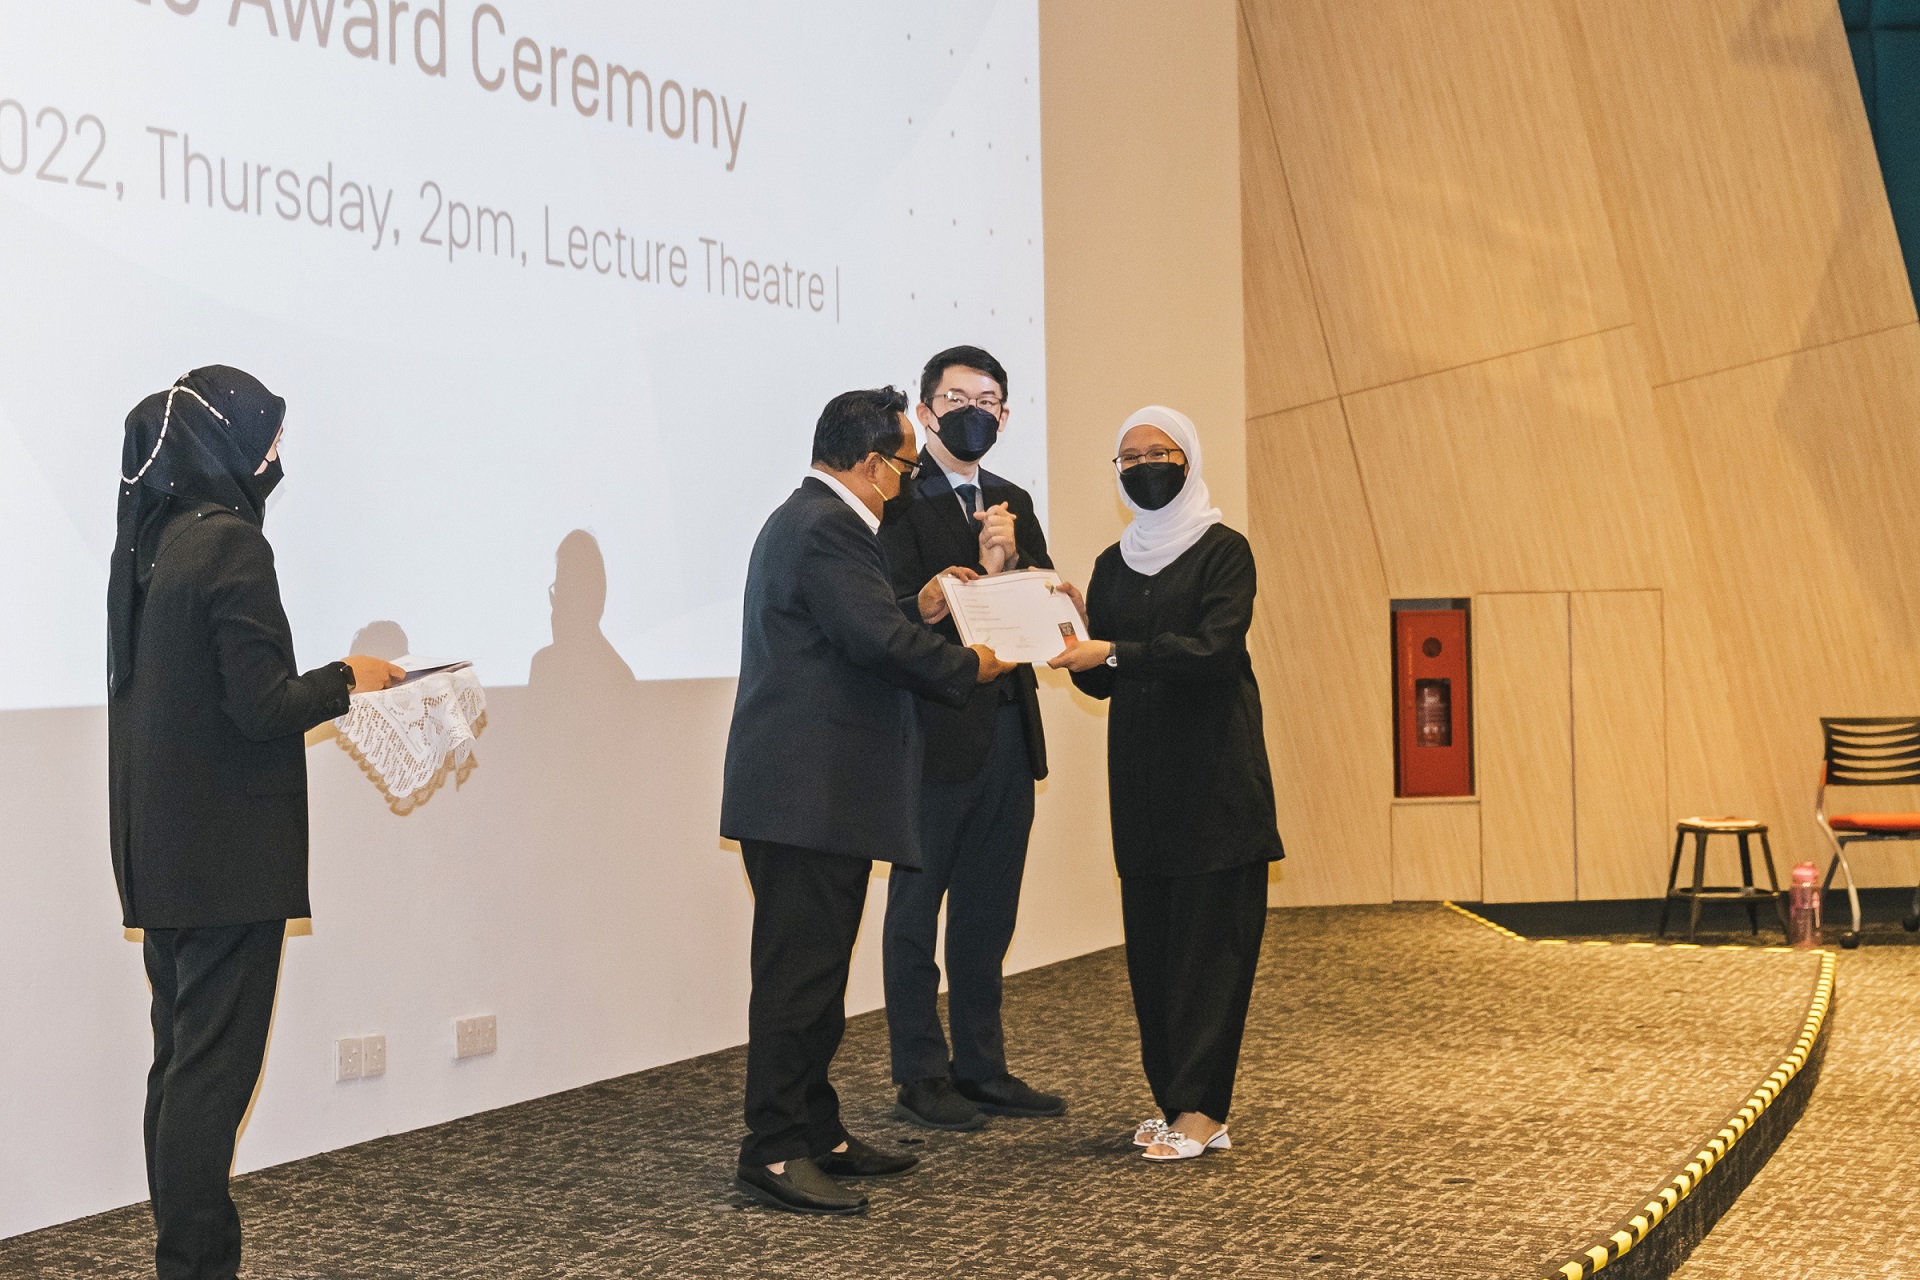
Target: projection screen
[{"x": 519, "y": 269}]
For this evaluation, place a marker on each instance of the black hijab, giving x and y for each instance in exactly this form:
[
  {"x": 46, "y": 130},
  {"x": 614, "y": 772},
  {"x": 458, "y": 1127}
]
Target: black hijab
[{"x": 198, "y": 441}]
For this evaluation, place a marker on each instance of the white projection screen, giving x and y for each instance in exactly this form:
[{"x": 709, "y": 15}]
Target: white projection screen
[{"x": 519, "y": 268}]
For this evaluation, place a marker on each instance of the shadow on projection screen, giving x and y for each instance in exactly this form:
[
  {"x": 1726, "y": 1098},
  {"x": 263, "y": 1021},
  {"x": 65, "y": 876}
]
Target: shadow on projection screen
[{"x": 518, "y": 268}]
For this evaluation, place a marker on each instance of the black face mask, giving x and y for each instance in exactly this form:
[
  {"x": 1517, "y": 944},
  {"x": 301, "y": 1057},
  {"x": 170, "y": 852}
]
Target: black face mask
[
  {"x": 968, "y": 433},
  {"x": 267, "y": 480},
  {"x": 1152, "y": 485},
  {"x": 895, "y": 508}
]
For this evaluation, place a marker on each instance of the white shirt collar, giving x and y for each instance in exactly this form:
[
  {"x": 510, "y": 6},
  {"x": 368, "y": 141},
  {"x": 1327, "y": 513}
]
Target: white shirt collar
[
  {"x": 846, "y": 495},
  {"x": 955, "y": 480}
]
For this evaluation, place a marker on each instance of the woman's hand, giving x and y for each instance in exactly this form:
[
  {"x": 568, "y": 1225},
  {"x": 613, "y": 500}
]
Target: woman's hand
[
  {"x": 370, "y": 675},
  {"x": 1082, "y": 655},
  {"x": 933, "y": 601},
  {"x": 1079, "y": 601}
]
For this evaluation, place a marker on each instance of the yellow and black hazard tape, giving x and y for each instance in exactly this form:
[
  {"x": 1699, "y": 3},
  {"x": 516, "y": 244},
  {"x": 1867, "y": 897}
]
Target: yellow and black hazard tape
[{"x": 1727, "y": 1161}]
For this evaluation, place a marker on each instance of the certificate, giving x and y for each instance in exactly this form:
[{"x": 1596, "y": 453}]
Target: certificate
[{"x": 1022, "y": 617}]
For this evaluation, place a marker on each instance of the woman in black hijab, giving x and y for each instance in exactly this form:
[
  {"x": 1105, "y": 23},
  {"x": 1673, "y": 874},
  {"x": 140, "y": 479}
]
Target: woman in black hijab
[{"x": 206, "y": 714}]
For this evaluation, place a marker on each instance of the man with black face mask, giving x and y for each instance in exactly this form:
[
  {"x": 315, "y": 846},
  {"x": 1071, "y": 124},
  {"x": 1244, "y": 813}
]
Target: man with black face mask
[{"x": 982, "y": 759}]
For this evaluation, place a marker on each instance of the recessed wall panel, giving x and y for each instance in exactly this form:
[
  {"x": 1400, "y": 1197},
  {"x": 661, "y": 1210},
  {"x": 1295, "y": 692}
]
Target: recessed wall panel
[{"x": 1524, "y": 714}]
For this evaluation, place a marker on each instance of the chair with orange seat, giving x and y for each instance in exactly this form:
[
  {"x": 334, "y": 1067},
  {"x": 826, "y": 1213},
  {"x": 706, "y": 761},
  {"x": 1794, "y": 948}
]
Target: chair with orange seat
[{"x": 1868, "y": 751}]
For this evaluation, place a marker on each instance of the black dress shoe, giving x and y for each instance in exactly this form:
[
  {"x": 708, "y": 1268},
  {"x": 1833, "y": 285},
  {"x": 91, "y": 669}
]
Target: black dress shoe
[
  {"x": 1010, "y": 1096},
  {"x": 933, "y": 1104},
  {"x": 861, "y": 1161},
  {"x": 801, "y": 1189}
]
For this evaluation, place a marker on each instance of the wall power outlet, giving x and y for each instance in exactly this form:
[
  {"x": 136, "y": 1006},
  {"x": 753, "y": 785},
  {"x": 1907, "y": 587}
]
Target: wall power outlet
[
  {"x": 476, "y": 1036},
  {"x": 359, "y": 1057},
  {"x": 349, "y": 1062}
]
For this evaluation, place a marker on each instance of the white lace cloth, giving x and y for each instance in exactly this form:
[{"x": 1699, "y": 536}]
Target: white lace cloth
[{"x": 406, "y": 734}]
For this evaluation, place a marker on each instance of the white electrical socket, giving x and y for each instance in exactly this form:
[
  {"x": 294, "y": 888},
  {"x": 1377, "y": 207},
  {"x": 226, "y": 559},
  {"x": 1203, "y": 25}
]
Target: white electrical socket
[
  {"x": 476, "y": 1036},
  {"x": 373, "y": 1056},
  {"x": 349, "y": 1062}
]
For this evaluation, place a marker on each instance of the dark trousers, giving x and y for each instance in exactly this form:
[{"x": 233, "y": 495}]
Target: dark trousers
[
  {"x": 212, "y": 1005},
  {"x": 806, "y": 915},
  {"x": 1193, "y": 943},
  {"x": 973, "y": 840}
]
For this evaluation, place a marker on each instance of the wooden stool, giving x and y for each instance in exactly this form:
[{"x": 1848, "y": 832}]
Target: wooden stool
[{"x": 1700, "y": 829}]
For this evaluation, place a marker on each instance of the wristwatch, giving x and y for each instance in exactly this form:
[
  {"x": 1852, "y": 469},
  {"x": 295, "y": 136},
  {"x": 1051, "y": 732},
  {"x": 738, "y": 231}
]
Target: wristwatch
[{"x": 1113, "y": 656}]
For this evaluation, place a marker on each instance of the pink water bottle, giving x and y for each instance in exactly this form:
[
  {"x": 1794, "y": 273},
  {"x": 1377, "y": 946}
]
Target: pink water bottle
[{"x": 1803, "y": 907}]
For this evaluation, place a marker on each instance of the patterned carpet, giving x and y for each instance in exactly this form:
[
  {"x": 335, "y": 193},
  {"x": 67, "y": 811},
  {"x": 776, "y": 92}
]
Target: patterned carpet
[{"x": 1419, "y": 1097}]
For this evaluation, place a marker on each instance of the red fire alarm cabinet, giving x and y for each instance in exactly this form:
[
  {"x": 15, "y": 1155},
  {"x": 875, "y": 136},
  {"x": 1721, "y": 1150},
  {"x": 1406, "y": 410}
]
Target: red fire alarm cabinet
[{"x": 1432, "y": 707}]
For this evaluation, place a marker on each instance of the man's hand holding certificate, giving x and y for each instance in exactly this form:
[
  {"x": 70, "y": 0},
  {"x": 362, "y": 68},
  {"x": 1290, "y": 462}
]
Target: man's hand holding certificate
[{"x": 1023, "y": 617}]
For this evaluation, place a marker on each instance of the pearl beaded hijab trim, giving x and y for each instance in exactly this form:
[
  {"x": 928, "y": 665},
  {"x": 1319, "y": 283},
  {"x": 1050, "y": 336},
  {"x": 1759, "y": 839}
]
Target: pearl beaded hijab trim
[{"x": 166, "y": 418}]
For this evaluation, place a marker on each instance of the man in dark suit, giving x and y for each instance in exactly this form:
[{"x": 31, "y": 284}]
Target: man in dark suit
[
  {"x": 207, "y": 779},
  {"x": 822, "y": 778},
  {"x": 982, "y": 759}
]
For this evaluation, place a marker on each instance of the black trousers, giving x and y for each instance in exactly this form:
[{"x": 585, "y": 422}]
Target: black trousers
[
  {"x": 212, "y": 1006},
  {"x": 973, "y": 838},
  {"x": 1193, "y": 943},
  {"x": 806, "y": 915}
]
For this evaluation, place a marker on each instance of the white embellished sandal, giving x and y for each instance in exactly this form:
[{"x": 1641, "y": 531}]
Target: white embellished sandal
[
  {"x": 1185, "y": 1148},
  {"x": 1149, "y": 1132}
]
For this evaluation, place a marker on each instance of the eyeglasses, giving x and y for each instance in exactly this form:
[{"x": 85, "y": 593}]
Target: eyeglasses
[
  {"x": 1128, "y": 461},
  {"x": 912, "y": 465},
  {"x": 951, "y": 400}
]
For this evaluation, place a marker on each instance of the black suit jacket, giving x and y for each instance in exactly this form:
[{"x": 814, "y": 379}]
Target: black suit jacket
[
  {"x": 936, "y": 534},
  {"x": 824, "y": 751},
  {"x": 207, "y": 771}
]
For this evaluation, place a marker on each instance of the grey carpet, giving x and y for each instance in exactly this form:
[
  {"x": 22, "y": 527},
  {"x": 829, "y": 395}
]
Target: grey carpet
[{"x": 1419, "y": 1097}]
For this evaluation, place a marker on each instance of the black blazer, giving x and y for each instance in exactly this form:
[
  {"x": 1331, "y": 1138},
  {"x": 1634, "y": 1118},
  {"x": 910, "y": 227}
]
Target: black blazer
[
  {"x": 936, "y": 534},
  {"x": 1187, "y": 780},
  {"x": 207, "y": 772},
  {"x": 824, "y": 751}
]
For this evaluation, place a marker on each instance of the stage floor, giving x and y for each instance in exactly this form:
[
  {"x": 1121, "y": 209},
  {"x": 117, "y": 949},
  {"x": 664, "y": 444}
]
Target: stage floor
[{"x": 1419, "y": 1096}]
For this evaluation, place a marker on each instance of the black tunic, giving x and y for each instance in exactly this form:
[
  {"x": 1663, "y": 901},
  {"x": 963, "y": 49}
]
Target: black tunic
[
  {"x": 206, "y": 763},
  {"x": 1187, "y": 777}
]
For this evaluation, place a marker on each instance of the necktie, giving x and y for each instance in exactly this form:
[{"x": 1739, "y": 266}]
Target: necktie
[{"x": 966, "y": 492}]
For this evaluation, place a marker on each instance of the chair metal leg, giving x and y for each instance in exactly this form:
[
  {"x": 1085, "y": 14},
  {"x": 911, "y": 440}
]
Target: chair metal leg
[
  {"x": 1699, "y": 881},
  {"x": 1840, "y": 863},
  {"x": 1673, "y": 874},
  {"x": 1746, "y": 882}
]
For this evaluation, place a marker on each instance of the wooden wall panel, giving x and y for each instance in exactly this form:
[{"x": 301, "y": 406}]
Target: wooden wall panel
[
  {"x": 1322, "y": 653},
  {"x": 1436, "y": 850},
  {"x": 1621, "y": 831},
  {"x": 1522, "y": 720},
  {"x": 1745, "y": 193},
  {"x": 1286, "y": 352},
  {"x": 1612, "y": 303},
  {"x": 1441, "y": 178},
  {"x": 1800, "y": 472},
  {"x": 1536, "y": 472}
]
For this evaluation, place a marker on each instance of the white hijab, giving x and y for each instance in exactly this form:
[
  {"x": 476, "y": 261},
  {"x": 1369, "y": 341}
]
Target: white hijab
[{"x": 1156, "y": 539}]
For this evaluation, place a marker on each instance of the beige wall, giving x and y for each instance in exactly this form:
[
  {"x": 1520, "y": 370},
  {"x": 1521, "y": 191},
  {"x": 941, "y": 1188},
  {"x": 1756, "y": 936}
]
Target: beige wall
[{"x": 1592, "y": 311}]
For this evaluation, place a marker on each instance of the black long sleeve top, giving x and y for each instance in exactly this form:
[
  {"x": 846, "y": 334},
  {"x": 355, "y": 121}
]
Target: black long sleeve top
[
  {"x": 1188, "y": 783},
  {"x": 206, "y": 760}
]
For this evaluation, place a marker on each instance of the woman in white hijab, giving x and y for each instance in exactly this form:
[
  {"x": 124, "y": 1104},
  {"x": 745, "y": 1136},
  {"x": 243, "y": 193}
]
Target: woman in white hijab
[{"x": 1168, "y": 608}]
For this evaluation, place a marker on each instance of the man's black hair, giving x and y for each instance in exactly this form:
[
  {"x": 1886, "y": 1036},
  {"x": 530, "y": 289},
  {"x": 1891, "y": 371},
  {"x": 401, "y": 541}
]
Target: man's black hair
[
  {"x": 857, "y": 423},
  {"x": 965, "y": 357}
]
